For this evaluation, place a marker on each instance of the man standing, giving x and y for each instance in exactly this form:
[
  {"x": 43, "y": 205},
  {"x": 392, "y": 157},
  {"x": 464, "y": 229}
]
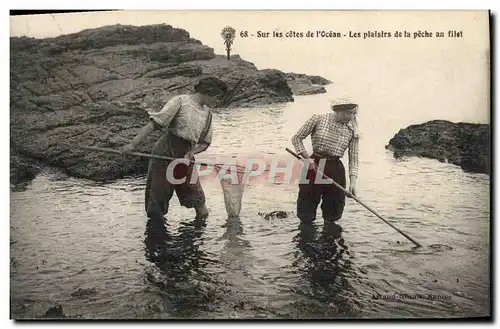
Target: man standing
[
  {"x": 186, "y": 125},
  {"x": 331, "y": 135}
]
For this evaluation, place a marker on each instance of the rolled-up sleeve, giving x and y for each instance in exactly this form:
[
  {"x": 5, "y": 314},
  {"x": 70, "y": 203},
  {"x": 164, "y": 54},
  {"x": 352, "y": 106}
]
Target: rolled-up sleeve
[
  {"x": 354, "y": 156},
  {"x": 304, "y": 131},
  {"x": 167, "y": 113}
]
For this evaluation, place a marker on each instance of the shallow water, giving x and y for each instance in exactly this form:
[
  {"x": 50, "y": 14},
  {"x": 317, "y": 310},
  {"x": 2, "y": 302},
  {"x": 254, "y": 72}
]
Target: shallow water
[{"x": 68, "y": 234}]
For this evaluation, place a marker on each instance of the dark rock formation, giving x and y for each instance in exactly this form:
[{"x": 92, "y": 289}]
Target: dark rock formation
[
  {"x": 464, "y": 144},
  {"x": 21, "y": 171},
  {"x": 302, "y": 84},
  {"x": 275, "y": 214},
  {"x": 92, "y": 87},
  {"x": 55, "y": 312}
]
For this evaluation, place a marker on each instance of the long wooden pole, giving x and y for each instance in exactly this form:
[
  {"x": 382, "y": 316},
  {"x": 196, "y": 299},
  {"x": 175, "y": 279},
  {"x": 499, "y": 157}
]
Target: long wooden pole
[
  {"x": 151, "y": 156},
  {"x": 359, "y": 201}
]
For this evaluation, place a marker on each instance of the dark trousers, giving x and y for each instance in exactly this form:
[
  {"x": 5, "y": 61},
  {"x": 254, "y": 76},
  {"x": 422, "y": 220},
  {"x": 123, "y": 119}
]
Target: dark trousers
[
  {"x": 159, "y": 190},
  {"x": 331, "y": 197}
]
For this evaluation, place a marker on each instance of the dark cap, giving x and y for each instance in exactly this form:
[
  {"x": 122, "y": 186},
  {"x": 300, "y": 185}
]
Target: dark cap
[{"x": 211, "y": 86}]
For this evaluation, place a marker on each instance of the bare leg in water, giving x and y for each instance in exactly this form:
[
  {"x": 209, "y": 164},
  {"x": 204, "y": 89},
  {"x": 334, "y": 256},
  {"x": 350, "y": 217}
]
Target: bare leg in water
[{"x": 201, "y": 212}]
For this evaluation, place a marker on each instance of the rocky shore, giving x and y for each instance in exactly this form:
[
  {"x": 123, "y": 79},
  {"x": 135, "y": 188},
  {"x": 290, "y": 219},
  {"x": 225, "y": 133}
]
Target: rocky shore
[
  {"x": 92, "y": 88},
  {"x": 21, "y": 170},
  {"x": 464, "y": 144}
]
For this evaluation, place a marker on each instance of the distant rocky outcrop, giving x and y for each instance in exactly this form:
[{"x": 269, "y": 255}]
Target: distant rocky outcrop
[
  {"x": 92, "y": 87},
  {"x": 302, "y": 84},
  {"x": 464, "y": 144}
]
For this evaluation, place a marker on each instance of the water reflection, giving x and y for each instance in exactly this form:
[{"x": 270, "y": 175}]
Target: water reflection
[
  {"x": 325, "y": 269},
  {"x": 180, "y": 267},
  {"x": 247, "y": 291},
  {"x": 236, "y": 252}
]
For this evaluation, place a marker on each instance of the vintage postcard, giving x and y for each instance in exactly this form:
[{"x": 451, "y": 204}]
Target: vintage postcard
[{"x": 250, "y": 165}]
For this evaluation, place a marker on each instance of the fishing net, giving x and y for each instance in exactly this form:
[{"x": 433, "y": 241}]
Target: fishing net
[{"x": 232, "y": 180}]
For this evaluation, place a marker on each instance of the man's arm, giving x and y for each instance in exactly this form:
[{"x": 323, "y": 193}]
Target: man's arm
[
  {"x": 353, "y": 160},
  {"x": 203, "y": 144},
  {"x": 145, "y": 131},
  {"x": 304, "y": 131},
  {"x": 159, "y": 119}
]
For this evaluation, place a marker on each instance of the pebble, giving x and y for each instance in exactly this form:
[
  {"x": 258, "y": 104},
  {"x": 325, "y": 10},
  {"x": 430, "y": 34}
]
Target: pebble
[{"x": 333, "y": 307}]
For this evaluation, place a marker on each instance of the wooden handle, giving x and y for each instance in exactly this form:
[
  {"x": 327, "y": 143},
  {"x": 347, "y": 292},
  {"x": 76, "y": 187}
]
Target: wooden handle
[
  {"x": 154, "y": 156},
  {"x": 359, "y": 201},
  {"x": 150, "y": 156}
]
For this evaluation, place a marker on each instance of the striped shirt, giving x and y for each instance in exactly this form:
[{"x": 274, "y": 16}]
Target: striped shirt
[
  {"x": 330, "y": 138},
  {"x": 184, "y": 118}
]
